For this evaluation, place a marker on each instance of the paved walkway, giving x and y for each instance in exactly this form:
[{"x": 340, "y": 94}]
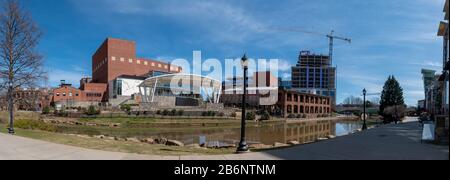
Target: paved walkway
[{"x": 394, "y": 142}]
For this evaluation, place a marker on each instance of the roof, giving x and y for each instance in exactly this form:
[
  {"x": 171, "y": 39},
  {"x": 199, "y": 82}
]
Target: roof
[
  {"x": 193, "y": 79},
  {"x": 132, "y": 77}
]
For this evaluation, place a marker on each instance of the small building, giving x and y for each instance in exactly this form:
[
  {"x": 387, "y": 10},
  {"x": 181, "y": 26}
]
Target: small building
[
  {"x": 32, "y": 99},
  {"x": 88, "y": 94},
  {"x": 296, "y": 103}
]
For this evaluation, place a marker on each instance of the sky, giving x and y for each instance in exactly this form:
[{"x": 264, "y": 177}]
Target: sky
[{"x": 388, "y": 37}]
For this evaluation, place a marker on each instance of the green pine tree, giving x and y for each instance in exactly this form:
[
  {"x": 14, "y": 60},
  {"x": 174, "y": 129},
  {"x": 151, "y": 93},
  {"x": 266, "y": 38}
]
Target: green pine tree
[{"x": 392, "y": 95}]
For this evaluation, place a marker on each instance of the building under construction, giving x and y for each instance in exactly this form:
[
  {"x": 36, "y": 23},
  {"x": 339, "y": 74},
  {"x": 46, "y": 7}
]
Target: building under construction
[{"x": 315, "y": 74}]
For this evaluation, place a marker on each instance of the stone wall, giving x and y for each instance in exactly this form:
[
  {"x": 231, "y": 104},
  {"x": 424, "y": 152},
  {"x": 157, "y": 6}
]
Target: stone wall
[{"x": 82, "y": 104}]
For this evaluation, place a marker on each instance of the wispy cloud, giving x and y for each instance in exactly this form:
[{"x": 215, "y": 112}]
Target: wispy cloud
[
  {"x": 427, "y": 64},
  {"x": 282, "y": 65},
  {"x": 219, "y": 19}
]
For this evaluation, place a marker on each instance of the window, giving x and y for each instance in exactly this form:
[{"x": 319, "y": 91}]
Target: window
[
  {"x": 64, "y": 94},
  {"x": 118, "y": 87},
  {"x": 76, "y": 94},
  {"x": 153, "y": 64},
  {"x": 122, "y": 59},
  {"x": 159, "y": 65},
  {"x": 145, "y": 63},
  {"x": 289, "y": 109},
  {"x": 70, "y": 94},
  {"x": 138, "y": 62},
  {"x": 166, "y": 67},
  {"x": 113, "y": 58},
  {"x": 57, "y": 94}
]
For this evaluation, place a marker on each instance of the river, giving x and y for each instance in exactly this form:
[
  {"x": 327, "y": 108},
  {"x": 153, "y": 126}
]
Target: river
[{"x": 302, "y": 132}]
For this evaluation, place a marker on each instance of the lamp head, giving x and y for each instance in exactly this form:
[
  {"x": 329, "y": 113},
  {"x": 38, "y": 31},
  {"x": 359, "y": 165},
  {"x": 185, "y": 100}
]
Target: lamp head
[{"x": 244, "y": 61}]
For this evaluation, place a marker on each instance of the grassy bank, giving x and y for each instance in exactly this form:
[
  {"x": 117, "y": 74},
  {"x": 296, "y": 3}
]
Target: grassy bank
[{"x": 114, "y": 146}]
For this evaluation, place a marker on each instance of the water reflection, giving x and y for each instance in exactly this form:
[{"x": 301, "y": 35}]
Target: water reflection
[{"x": 302, "y": 132}]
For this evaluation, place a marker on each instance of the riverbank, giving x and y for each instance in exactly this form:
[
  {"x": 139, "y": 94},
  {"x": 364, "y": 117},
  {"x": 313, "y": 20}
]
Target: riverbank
[
  {"x": 115, "y": 146},
  {"x": 150, "y": 135},
  {"x": 389, "y": 142}
]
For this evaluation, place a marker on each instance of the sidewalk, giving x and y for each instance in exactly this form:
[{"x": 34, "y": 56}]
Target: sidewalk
[{"x": 391, "y": 142}]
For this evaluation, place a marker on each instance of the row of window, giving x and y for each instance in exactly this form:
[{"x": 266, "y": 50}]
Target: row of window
[
  {"x": 145, "y": 63},
  {"x": 76, "y": 94},
  {"x": 306, "y": 99},
  {"x": 64, "y": 94},
  {"x": 94, "y": 94},
  {"x": 307, "y": 110}
]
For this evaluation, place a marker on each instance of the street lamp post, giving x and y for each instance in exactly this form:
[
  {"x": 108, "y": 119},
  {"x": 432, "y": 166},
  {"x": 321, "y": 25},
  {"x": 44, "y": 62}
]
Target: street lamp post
[
  {"x": 10, "y": 108},
  {"x": 243, "y": 147},
  {"x": 364, "y": 111}
]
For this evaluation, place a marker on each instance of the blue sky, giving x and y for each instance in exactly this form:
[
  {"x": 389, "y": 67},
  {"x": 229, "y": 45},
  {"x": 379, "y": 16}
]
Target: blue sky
[{"x": 390, "y": 37}]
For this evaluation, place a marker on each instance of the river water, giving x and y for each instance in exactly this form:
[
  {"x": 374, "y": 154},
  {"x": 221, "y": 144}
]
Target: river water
[{"x": 268, "y": 134}]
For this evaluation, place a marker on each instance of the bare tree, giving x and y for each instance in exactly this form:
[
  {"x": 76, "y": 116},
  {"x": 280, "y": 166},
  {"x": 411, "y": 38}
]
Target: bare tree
[
  {"x": 352, "y": 100},
  {"x": 20, "y": 63}
]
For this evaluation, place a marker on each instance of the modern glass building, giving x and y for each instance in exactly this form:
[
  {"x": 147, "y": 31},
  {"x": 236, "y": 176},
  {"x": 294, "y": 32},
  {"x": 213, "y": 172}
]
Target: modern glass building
[{"x": 315, "y": 74}]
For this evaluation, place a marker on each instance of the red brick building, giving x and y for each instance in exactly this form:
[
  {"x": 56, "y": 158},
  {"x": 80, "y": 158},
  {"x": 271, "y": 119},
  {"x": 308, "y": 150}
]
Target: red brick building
[
  {"x": 28, "y": 99},
  {"x": 88, "y": 94},
  {"x": 116, "y": 57},
  {"x": 295, "y": 103},
  {"x": 32, "y": 99}
]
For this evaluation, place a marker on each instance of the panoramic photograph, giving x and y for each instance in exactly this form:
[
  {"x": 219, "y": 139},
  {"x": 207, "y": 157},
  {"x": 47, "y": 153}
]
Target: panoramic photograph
[{"x": 224, "y": 80}]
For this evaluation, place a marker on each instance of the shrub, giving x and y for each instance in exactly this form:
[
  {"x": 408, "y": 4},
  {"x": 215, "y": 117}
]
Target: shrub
[
  {"x": 265, "y": 116},
  {"x": 221, "y": 114},
  {"x": 158, "y": 112},
  {"x": 165, "y": 112},
  {"x": 92, "y": 111},
  {"x": 234, "y": 114},
  {"x": 211, "y": 113},
  {"x": 125, "y": 107},
  {"x": 61, "y": 113},
  {"x": 34, "y": 124},
  {"x": 251, "y": 116},
  {"x": 173, "y": 112},
  {"x": 46, "y": 110},
  {"x": 180, "y": 113},
  {"x": 204, "y": 113},
  {"x": 304, "y": 116}
]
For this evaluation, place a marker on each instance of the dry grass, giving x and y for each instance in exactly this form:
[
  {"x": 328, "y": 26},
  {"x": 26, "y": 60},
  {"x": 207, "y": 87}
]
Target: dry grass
[{"x": 115, "y": 146}]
